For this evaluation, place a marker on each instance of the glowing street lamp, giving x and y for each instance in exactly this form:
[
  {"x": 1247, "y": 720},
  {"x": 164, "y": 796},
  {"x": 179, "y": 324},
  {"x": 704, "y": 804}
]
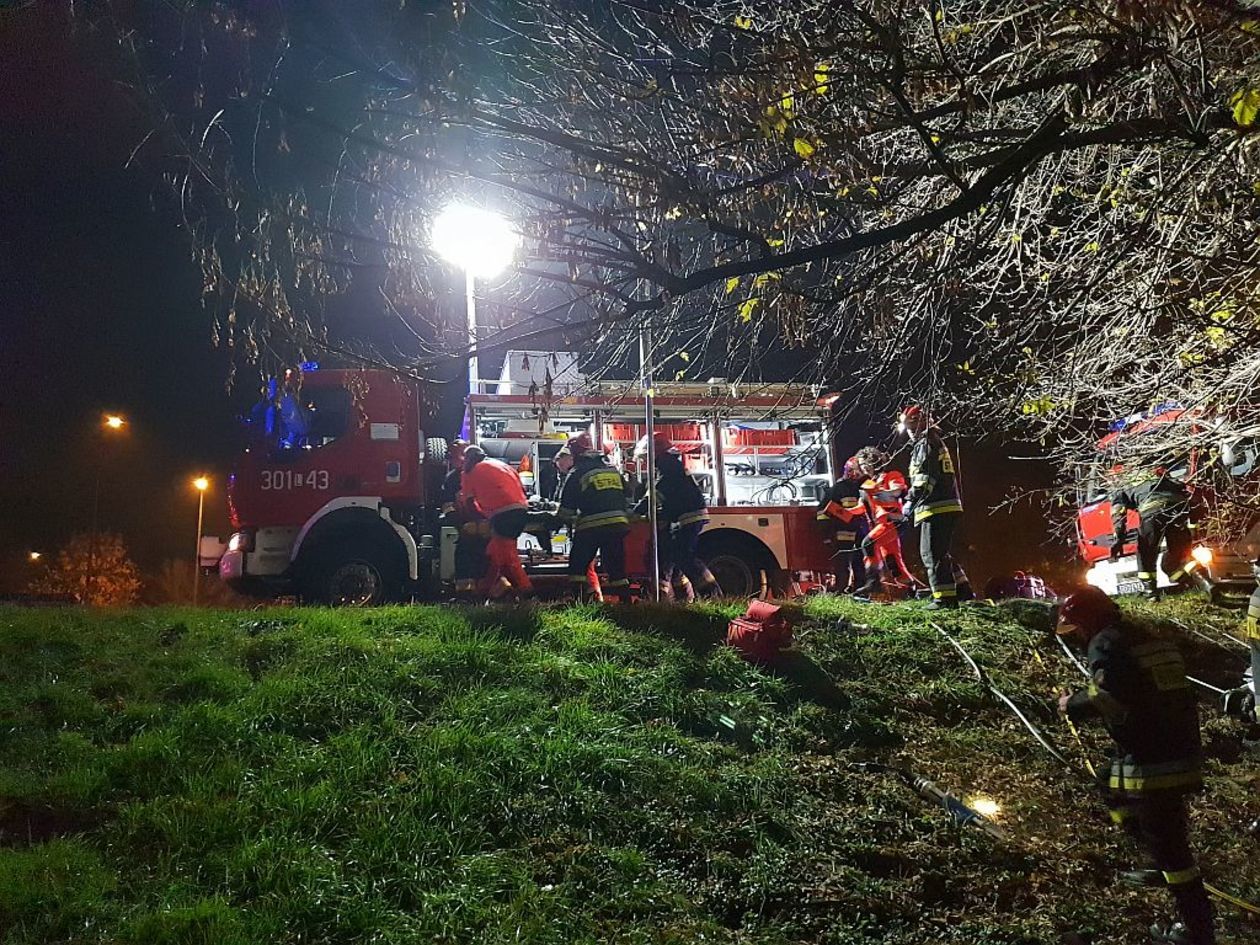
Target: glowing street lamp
[
  {"x": 34, "y": 556},
  {"x": 483, "y": 244},
  {"x": 114, "y": 422},
  {"x": 201, "y": 484},
  {"x": 110, "y": 423}
]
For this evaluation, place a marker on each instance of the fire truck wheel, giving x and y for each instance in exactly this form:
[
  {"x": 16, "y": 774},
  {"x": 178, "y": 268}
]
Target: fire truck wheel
[
  {"x": 356, "y": 574},
  {"x": 741, "y": 571}
]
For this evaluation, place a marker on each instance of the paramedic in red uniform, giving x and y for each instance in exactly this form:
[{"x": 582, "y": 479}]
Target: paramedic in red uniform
[
  {"x": 495, "y": 489},
  {"x": 884, "y": 492}
]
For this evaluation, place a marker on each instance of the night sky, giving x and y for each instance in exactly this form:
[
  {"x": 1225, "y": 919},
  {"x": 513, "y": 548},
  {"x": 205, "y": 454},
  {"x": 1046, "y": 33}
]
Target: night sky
[{"x": 101, "y": 311}]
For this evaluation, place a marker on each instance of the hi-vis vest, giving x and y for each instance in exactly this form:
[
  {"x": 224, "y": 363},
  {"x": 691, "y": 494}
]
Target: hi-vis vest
[{"x": 932, "y": 478}]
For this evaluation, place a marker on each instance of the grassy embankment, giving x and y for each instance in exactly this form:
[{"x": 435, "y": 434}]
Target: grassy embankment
[{"x": 431, "y": 774}]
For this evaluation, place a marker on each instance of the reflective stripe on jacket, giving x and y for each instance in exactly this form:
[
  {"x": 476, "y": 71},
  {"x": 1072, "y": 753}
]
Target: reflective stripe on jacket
[
  {"x": 933, "y": 480},
  {"x": 594, "y": 495},
  {"x": 1140, "y": 692}
]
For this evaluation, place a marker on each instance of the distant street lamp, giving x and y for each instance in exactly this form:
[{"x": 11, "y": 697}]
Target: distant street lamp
[
  {"x": 483, "y": 244},
  {"x": 201, "y": 484},
  {"x": 34, "y": 556},
  {"x": 111, "y": 423}
]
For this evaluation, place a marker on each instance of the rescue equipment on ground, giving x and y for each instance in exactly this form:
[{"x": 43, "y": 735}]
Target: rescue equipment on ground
[{"x": 761, "y": 634}]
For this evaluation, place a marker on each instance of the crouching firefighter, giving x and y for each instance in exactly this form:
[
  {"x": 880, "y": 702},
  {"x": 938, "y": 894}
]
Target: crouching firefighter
[
  {"x": 494, "y": 489},
  {"x": 593, "y": 502},
  {"x": 843, "y": 514},
  {"x": 1138, "y": 689},
  {"x": 682, "y": 515},
  {"x": 474, "y": 530},
  {"x": 1163, "y": 506},
  {"x": 934, "y": 504}
]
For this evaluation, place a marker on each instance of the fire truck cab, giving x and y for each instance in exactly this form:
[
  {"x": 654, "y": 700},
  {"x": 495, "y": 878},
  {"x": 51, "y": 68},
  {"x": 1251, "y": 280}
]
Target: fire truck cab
[
  {"x": 1224, "y": 565},
  {"x": 336, "y": 494}
]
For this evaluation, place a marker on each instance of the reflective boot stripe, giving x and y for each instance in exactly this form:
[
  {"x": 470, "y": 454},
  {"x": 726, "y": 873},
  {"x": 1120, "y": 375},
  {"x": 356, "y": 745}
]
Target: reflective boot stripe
[{"x": 1181, "y": 877}]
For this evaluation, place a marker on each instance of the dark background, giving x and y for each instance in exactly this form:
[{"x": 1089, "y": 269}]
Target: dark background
[{"x": 101, "y": 312}]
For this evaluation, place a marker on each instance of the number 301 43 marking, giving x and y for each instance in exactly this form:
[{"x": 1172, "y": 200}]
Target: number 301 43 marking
[{"x": 280, "y": 479}]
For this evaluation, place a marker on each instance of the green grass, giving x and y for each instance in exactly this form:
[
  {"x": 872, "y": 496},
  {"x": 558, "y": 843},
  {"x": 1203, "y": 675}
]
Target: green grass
[{"x": 432, "y": 774}]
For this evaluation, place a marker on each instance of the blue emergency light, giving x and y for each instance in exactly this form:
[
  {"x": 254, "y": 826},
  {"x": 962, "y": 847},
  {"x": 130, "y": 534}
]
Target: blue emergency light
[{"x": 308, "y": 366}]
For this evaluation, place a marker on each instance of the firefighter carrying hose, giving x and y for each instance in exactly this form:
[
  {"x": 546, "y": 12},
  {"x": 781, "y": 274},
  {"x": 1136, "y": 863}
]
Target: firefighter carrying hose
[
  {"x": 843, "y": 515},
  {"x": 681, "y": 517},
  {"x": 494, "y": 489},
  {"x": 1163, "y": 505},
  {"x": 1139, "y": 691},
  {"x": 474, "y": 530},
  {"x": 935, "y": 506},
  {"x": 593, "y": 501},
  {"x": 883, "y": 491}
]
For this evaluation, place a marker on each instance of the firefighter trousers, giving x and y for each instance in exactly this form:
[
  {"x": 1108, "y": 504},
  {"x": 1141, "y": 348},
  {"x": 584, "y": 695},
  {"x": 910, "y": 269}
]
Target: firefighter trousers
[
  {"x": 690, "y": 575},
  {"x": 1171, "y": 526},
  {"x": 470, "y": 558},
  {"x": 936, "y": 538},
  {"x": 609, "y": 542},
  {"x": 1161, "y": 824}
]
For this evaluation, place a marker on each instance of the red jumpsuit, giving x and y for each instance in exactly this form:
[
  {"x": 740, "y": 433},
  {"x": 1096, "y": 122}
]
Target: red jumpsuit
[
  {"x": 495, "y": 490},
  {"x": 883, "y": 496}
]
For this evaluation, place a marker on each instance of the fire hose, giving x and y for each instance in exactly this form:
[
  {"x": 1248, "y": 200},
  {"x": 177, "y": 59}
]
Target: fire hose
[
  {"x": 983, "y": 677},
  {"x": 959, "y": 811}
]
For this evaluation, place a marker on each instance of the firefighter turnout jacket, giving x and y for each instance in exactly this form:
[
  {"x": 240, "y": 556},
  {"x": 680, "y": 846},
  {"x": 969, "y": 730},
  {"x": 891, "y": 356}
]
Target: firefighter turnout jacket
[
  {"x": 494, "y": 487},
  {"x": 1139, "y": 691},
  {"x": 680, "y": 499},
  {"x": 842, "y": 507},
  {"x": 594, "y": 495},
  {"x": 933, "y": 480}
]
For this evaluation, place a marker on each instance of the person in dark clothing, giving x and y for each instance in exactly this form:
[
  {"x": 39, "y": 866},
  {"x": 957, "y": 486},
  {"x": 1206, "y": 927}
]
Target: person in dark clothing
[
  {"x": 935, "y": 506},
  {"x": 1163, "y": 507},
  {"x": 843, "y": 513},
  {"x": 593, "y": 502},
  {"x": 682, "y": 515},
  {"x": 1138, "y": 689},
  {"x": 474, "y": 530}
]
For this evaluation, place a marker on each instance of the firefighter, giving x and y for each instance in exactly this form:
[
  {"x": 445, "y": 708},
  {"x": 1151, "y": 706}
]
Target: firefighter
[
  {"x": 494, "y": 489},
  {"x": 934, "y": 504},
  {"x": 593, "y": 502},
  {"x": 843, "y": 514},
  {"x": 1163, "y": 507},
  {"x": 1139, "y": 691},
  {"x": 884, "y": 491},
  {"x": 683, "y": 515},
  {"x": 474, "y": 530}
]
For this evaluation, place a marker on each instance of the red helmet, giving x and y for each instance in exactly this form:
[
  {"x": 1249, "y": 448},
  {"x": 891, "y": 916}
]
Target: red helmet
[
  {"x": 580, "y": 444},
  {"x": 1088, "y": 610}
]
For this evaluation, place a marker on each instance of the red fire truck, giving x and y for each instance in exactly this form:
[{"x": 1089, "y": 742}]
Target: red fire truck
[
  {"x": 1224, "y": 565},
  {"x": 345, "y": 510}
]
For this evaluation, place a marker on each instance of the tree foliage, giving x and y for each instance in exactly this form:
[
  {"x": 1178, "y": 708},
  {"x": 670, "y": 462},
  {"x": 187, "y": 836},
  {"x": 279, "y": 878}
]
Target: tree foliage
[
  {"x": 1037, "y": 217},
  {"x": 93, "y": 570}
]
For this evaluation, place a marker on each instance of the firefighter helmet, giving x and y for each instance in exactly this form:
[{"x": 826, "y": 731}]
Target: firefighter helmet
[
  {"x": 911, "y": 416},
  {"x": 580, "y": 444},
  {"x": 660, "y": 442},
  {"x": 1088, "y": 610}
]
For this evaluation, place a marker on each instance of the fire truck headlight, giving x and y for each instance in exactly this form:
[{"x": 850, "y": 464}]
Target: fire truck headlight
[
  {"x": 241, "y": 541},
  {"x": 1203, "y": 555}
]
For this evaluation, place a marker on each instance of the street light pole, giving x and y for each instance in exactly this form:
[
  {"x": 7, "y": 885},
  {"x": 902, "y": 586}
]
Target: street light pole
[
  {"x": 645, "y": 364},
  {"x": 201, "y": 484},
  {"x": 470, "y": 296}
]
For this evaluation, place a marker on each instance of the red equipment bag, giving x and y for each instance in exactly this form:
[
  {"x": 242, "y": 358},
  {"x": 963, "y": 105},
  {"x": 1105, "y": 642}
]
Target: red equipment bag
[{"x": 761, "y": 634}]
